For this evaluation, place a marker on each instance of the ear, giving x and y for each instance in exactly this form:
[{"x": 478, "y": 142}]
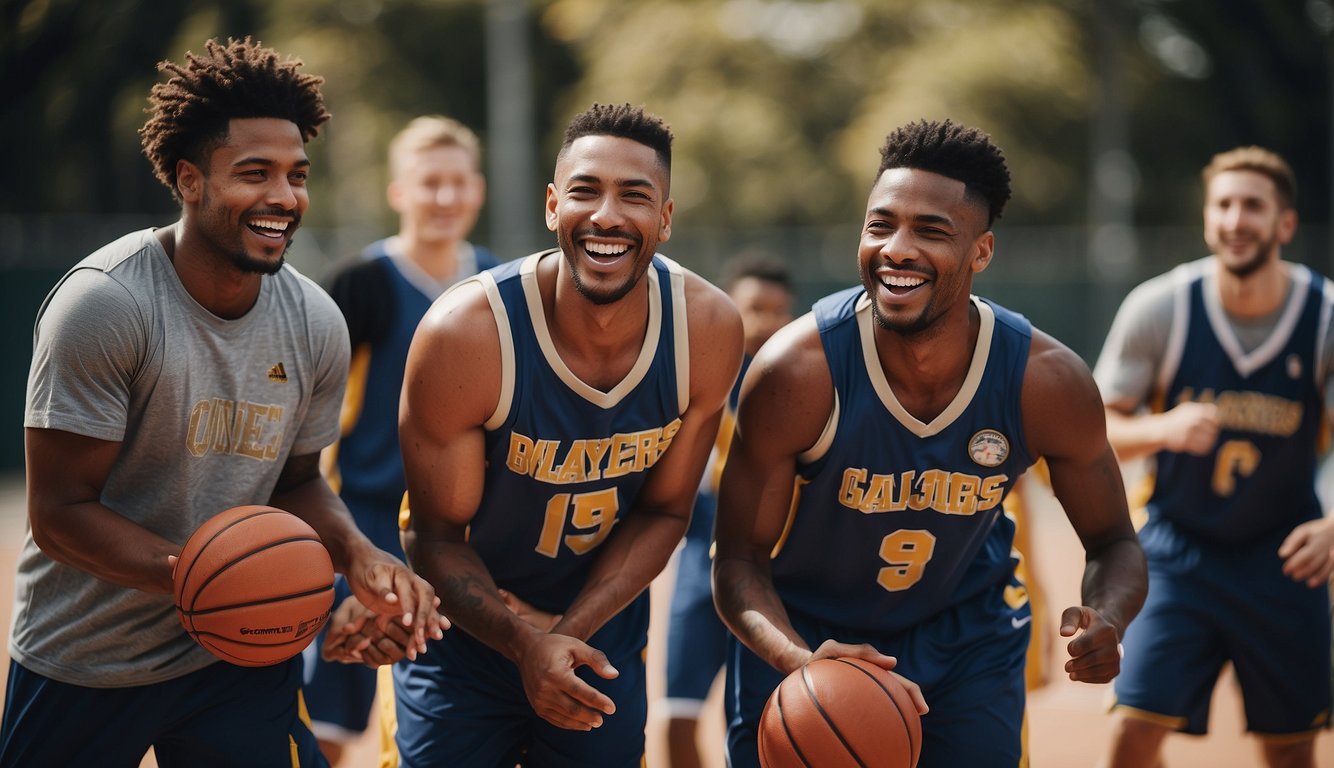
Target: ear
[
  {"x": 552, "y": 219},
  {"x": 394, "y": 195},
  {"x": 189, "y": 181},
  {"x": 665, "y": 229},
  {"x": 984, "y": 249},
  {"x": 1287, "y": 225}
]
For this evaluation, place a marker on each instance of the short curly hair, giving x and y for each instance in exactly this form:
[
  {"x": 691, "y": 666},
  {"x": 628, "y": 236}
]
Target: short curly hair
[
  {"x": 190, "y": 112},
  {"x": 625, "y": 121},
  {"x": 956, "y": 151}
]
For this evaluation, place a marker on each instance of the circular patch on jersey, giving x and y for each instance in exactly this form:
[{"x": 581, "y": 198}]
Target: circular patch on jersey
[
  {"x": 989, "y": 448},
  {"x": 1294, "y": 366}
]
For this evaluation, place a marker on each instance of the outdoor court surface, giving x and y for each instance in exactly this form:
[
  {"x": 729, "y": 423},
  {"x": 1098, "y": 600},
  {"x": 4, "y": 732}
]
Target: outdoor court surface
[{"x": 1068, "y": 727}]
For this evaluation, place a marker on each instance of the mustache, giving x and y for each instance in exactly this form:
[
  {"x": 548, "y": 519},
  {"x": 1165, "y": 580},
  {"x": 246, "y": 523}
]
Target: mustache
[{"x": 617, "y": 233}]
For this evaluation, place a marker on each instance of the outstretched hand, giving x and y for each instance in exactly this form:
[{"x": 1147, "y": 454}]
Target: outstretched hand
[
  {"x": 556, "y": 693},
  {"x": 1095, "y": 652}
]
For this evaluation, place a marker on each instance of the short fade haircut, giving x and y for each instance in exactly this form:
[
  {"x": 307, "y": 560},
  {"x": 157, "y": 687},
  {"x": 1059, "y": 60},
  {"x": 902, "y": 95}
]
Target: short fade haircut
[
  {"x": 956, "y": 151},
  {"x": 760, "y": 266},
  {"x": 625, "y": 121},
  {"x": 191, "y": 112},
  {"x": 430, "y": 132},
  {"x": 1261, "y": 161}
]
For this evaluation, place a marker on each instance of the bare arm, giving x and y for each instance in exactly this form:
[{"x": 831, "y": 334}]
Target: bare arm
[
  {"x": 786, "y": 400},
  {"x": 1187, "y": 428},
  {"x": 1064, "y": 422},
  {"x": 65, "y": 474}
]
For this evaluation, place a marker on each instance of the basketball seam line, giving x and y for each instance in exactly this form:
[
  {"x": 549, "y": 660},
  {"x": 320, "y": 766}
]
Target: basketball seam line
[
  {"x": 906, "y": 730},
  {"x": 274, "y": 599},
  {"x": 806, "y": 681}
]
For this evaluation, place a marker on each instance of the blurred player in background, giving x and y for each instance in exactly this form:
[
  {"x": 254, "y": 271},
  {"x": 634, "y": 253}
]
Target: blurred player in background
[
  {"x": 178, "y": 372},
  {"x": 761, "y": 288},
  {"x": 1222, "y": 369},
  {"x": 437, "y": 189}
]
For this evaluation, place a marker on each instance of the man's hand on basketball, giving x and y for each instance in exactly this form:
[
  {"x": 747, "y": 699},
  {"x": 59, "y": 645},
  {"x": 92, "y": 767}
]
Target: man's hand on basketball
[
  {"x": 831, "y": 649},
  {"x": 389, "y": 588},
  {"x": 558, "y": 695},
  {"x": 1095, "y": 652},
  {"x": 1308, "y": 552},
  {"x": 358, "y": 636}
]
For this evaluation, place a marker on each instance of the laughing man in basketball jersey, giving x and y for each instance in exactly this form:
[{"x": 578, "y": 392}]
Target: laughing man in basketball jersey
[
  {"x": 177, "y": 372},
  {"x": 558, "y": 412},
  {"x": 1223, "y": 369},
  {"x": 860, "y": 509}
]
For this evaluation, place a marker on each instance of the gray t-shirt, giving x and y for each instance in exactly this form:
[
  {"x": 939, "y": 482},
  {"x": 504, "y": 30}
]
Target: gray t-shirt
[
  {"x": 1143, "y": 348},
  {"x": 206, "y": 410}
]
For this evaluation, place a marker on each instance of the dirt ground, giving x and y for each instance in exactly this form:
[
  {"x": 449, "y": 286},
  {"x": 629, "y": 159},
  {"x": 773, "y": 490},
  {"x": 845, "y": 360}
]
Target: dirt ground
[{"x": 1068, "y": 724}]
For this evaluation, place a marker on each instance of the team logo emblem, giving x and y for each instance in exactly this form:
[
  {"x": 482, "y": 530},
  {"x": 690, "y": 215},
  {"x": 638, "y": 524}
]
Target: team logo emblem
[
  {"x": 1294, "y": 367},
  {"x": 989, "y": 448}
]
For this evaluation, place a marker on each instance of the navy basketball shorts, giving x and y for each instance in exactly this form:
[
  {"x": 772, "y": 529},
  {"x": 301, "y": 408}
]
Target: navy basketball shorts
[
  {"x": 339, "y": 696},
  {"x": 220, "y": 716},
  {"x": 1209, "y": 607},
  {"x": 968, "y": 660},
  {"x": 462, "y": 703},
  {"x": 696, "y": 637}
]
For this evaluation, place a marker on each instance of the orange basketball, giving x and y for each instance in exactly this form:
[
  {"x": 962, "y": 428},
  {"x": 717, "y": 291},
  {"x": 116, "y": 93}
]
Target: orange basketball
[
  {"x": 253, "y": 585},
  {"x": 840, "y": 712}
]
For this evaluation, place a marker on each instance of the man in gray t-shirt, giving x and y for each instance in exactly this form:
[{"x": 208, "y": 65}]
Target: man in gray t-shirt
[
  {"x": 1222, "y": 371},
  {"x": 178, "y": 372}
]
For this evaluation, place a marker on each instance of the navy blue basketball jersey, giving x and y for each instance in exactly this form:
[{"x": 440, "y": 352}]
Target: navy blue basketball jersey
[
  {"x": 1257, "y": 480},
  {"x": 565, "y": 461},
  {"x": 894, "y": 519},
  {"x": 383, "y": 307}
]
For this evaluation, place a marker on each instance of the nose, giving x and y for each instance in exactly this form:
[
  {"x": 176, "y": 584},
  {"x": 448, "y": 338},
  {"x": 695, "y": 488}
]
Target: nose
[
  {"x": 446, "y": 194},
  {"x": 283, "y": 194},
  {"x": 897, "y": 248},
  {"x": 608, "y": 214}
]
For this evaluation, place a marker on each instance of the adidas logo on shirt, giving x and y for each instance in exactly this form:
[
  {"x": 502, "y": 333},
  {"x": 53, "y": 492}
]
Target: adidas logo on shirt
[{"x": 278, "y": 373}]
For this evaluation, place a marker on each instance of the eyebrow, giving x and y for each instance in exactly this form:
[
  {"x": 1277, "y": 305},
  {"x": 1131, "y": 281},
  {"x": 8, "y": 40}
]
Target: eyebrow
[
  {"x": 589, "y": 178},
  {"x": 924, "y": 218},
  {"x": 302, "y": 163}
]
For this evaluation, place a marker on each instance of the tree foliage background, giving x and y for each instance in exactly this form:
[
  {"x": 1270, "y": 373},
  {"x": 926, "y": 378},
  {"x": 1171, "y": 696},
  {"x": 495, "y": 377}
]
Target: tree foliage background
[
  {"x": 779, "y": 106},
  {"x": 1106, "y": 110}
]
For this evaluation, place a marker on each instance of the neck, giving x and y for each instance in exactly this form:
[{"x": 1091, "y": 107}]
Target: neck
[
  {"x": 1257, "y": 294},
  {"x": 439, "y": 259}
]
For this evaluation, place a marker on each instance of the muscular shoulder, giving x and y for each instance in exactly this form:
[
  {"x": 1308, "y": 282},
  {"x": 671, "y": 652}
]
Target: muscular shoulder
[
  {"x": 716, "y": 343},
  {"x": 456, "y": 354},
  {"x": 788, "y": 394},
  {"x": 1063, "y": 412}
]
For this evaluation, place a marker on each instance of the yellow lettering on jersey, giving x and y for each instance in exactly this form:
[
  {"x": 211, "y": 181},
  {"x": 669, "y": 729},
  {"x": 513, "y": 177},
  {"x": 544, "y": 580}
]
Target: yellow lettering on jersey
[
  {"x": 949, "y": 493},
  {"x": 587, "y": 459},
  {"x": 240, "y": 428},
  {"x": 1247, "y": 411},
  {"x": 521, "y": 449}
]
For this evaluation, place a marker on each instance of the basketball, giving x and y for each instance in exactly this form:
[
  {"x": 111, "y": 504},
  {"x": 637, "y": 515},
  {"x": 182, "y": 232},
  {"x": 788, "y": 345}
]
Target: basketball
[
  {"x": 840, "y": 712},
  {"x": 253, "y": 585}
]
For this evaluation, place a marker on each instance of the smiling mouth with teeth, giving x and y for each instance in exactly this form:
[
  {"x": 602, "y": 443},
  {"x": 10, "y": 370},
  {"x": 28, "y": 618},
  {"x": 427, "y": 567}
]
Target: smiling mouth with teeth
[
  {"x": 608, "y": 250},
  {"x": 902, "y": 281},
  {"x": 274, "y": 228}
]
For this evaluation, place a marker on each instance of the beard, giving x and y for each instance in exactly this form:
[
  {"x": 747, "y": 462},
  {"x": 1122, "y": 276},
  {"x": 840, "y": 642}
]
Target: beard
[
  {"x": 604, "y": 296},
  {"x": 225, "y": 239},
  {"x": 1250, "y": 266}
]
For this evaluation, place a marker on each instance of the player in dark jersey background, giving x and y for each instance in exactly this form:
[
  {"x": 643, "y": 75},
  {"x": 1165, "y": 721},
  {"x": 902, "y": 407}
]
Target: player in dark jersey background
[
  {"x": 897, "y": 415},
  {"x": 1221, "y": 369},
  {"x": 761, "y": 287},
  {"x": 558, "y": 414},
  {"x": 437, "y": 188}
]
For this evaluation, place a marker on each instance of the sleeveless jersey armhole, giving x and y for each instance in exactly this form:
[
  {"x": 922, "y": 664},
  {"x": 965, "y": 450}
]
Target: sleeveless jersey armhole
[{"x": 506, "y": 399}]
